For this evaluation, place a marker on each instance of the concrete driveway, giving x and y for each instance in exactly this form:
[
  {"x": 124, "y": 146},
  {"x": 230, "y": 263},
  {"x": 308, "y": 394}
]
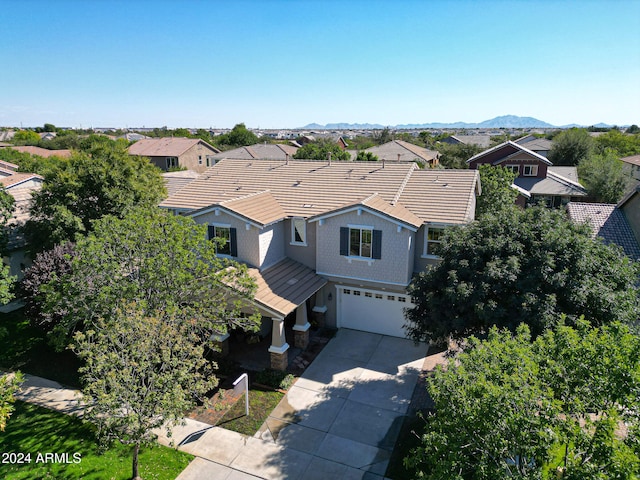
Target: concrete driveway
[{"x": 340, "y": 420}]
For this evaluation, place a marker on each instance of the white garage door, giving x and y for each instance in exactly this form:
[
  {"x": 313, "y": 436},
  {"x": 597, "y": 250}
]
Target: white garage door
[{"x": 372, "y": 310}]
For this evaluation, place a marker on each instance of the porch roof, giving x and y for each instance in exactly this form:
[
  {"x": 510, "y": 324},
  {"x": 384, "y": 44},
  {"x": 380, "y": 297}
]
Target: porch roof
[{"x": 285, "y": 285}]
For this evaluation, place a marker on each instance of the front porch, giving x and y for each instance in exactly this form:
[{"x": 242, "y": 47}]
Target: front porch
[{"x": 285, "y": 295}]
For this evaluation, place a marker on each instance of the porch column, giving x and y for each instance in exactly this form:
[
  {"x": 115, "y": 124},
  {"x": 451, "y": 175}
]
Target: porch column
[
  {"x": 279, "y": 345},
  {"x": 301, "y": 328}
]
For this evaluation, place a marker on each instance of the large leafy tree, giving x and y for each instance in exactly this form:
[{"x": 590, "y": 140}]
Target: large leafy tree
[
  {"x": 160, "y": 262},
  {"x": 624, "y": 145},
  {"x": 456, "y": 156},
  {"x": 571, "y": 146},
  {"x": 141, "y": 372},
  {"x": 497, "y": 192},
  {"x": 517, "y": 266},
  {"x": 6, "y": 210},
  {"x": 320, "y": 150},
  {"x": 239, "y": 136},
  {"x": 508, "y": 407},
  {"x": 105, "y": 181},
  {"x": 47, "y": 265},
  {"x": 603, "y": 176}
]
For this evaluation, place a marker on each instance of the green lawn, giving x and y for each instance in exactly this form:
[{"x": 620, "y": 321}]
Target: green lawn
[
  {"x": 24, "y": 348},
  {"x": 261, "y": 403},
  {"x": 32, "y": 430}
]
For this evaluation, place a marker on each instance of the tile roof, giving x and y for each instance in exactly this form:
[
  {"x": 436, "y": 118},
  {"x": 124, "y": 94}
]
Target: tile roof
[
  {"x": 509, "y": 148},
  {"x": 165, "y": 147},
  {"x": 570, "y": 173},
  {"x": 285, "y": 285},
  {"x": 259, "y": 151},
  {"x": 537, "y": 144},
  {"x": 261, "y": 208},
  {"x": 408, "y": 152},
  {"x": 552, "y": 185},
  {"x": 633, "y": 160},
  {"x": 376, "y": 203},
  {"x": 175, "y": 181},
  {"x": 18, "y": 178},
  {"x": 43, "y": 152},
  {"x": 608, "y": 223},
  {"x": 480, "y": 140},
  {"x": 8, "y": 166},
  {"x": 306, "y": 189}
]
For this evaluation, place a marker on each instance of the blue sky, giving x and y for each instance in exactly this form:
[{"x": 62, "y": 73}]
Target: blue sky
[{"x": 285, "y": 63}]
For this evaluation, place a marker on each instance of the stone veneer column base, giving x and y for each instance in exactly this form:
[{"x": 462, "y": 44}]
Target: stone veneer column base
[
  {"x": 301, "y": 339},
  {"x": 279, "y": 361}
]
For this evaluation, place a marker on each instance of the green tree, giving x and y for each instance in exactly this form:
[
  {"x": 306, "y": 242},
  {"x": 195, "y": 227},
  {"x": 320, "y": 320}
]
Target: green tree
[
  {"x": 159, "y": 261},
  {"x": 9, "y": 385},
  {"x": 239, "y": 136},
  {"x": 142, "y": 372},
  {"x": 456, "y": 156},
  {"x": 603, "y": 176},
  {"x": 497, "y": 192},
  {"x": 571, "y": 146},
  {"x": 633, "y": 129},
  {"x": 86, "y": 187},
  {"x": 507, "y": 407},
  {"x": 517, "y": 266},
  {"x": 6, "y": 211},
  {"x": 320, "y": 150},
  {"x": 49, "y": 127},
  {"x": 623, "y": 145},
  {"x": 26, "y": 137},
  {"x": 366, "y": 157},
  {"x": 382, "y": 136}
]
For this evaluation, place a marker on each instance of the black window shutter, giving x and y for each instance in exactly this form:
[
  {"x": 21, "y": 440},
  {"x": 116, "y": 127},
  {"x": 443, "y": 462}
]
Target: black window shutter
[
  {"x": 212, "y": 232},
  {"x": 376, "y": 248},
  {"x": 344, "y": 241},
  {"x": 233, "y": 238}
]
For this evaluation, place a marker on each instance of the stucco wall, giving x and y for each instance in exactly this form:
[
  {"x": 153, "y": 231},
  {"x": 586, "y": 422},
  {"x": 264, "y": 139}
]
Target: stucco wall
[
  {"x": 395, "y": 266},
  {"x": 304, "y": 255},
  {"x": 190, "y": 161},
  {"x": 272, "y": 239},
  {"x": 248, "y": 241},
  {"x": 421, "y": 263},
  {"x": 631, "y": 210}
]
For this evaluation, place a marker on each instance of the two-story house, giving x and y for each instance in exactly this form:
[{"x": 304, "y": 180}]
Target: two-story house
[
  {"x": 171, "y": 153},
  {"x": 537, "y": 179},
  {"x": 341, "y": 240}
]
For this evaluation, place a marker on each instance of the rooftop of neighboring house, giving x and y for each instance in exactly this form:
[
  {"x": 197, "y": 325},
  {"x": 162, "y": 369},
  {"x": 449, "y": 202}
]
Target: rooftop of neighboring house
[
  {"x": 504, "y": 151},
  {"x": 165, "y": 147},
  {"x": 133, "y": 137},
  {"x": 266, "y": 191},
  {"x": 175, "y": 181},
  {"x": 481, "y": 140},
  {"x": 559, "y": 181},
  {"x": 632, "y": 160},
  {"x": 262, "y": 151},
  {"x": 16, "y": 179},
  {"x": 608, "y": 222},
  {"x": 399, "y": 150},
  {"x": 535, "y": 144},
  {"x": 42, "y": 152}
]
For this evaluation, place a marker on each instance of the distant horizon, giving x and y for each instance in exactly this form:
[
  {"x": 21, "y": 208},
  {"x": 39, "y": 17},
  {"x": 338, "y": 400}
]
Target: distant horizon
[
  {"x": 283, "y": 63},
  {"x": 346, "y": 125}
]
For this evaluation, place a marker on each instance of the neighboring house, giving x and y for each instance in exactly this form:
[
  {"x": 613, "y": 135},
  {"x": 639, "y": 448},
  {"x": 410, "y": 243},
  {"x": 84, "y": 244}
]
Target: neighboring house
[
  {"x": 480, "y": 140},
  {"x": 47, "y": 135},
  {"x": 133, "y": 137},
  {"x": 175, "y": 181},
  {"x": 538, "y": 180},
  {"x": 338, "y": 240},
  {"x": 541, "y": 146},
  {"x": 42, "y": 152},
  {"x": 20, "y": 186},
  {"x": 608, "y": 222},
  {"x": 401, "y": 151},
  {"x": 632, "y": 167},
  {"x": 171, "y": 153},
  {"x": 630, "y": 206},
  {"x": 259, "y": 151},
  {"x": 6, "y": 135}
]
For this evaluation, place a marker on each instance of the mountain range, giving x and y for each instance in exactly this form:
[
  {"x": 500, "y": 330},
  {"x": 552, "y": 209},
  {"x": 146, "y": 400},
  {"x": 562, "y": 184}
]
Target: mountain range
[{"x": 504, "y": 121}]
